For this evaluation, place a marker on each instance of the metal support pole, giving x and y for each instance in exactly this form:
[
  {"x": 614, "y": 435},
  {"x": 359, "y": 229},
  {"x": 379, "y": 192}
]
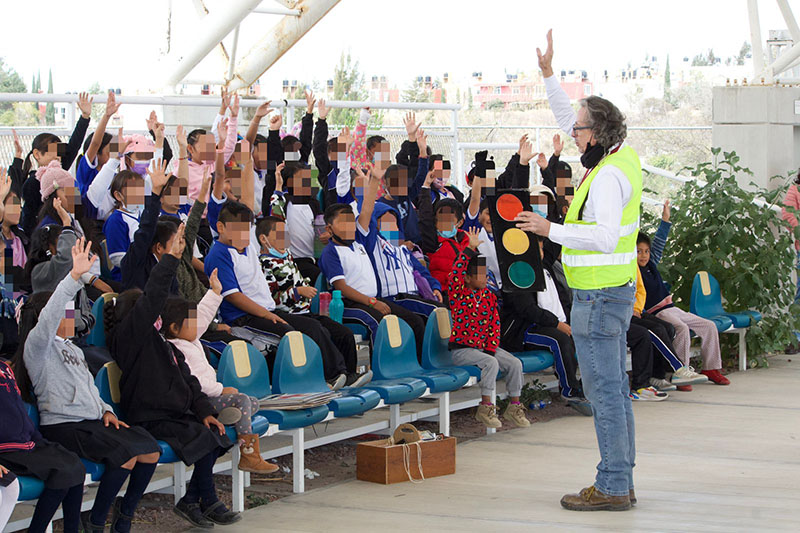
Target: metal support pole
[
  {"x": 459, "y": 167},
  {"x": 444, "y": 414},
  {"x": 298, "y": 460},
  {"x": 232, "y": 58},
  {"x": 178, "y": 480},
  {"x": 394, "y": 416},
  {"x": 237, "y": 482},
  {"x": 788, "y": 17},
  {"x": 755, "y": 39},
  {"x": 742, "y": 350}
]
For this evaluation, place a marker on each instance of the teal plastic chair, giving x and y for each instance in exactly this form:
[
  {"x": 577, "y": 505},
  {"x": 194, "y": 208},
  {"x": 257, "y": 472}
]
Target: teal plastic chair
[
  {"x": 534, "y": 360},
  {"x": 436, "y": 353},
  {"x": 298, "y": 369},
  {"x": 95, "y": 470},
  {"x": 706, "y": 301},
  {"x": 394, "y": 357},
  {"x": 30, "y": 488},
  {"x": 242, "y": 366},
  {"x": 97, "y": 337}
]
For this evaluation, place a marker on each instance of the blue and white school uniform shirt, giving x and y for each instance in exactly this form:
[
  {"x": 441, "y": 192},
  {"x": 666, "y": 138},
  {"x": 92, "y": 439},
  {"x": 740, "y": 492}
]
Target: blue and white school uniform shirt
[
  {"x": 239, "y": 272},
  {"x": 119, "y": 229},
  {"x": 300, "y": 229},
  {"x": 486, "y": 249},
  {"x": 350, "y": 263},
  {"x": 84, "y": 175},
  {"x": 394, "y": 266}
]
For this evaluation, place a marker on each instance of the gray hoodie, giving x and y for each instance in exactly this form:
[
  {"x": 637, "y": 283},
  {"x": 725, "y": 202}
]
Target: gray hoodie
[{"x": 63, "y": 386}]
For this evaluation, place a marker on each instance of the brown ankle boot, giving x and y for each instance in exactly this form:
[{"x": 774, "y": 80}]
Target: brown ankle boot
[
  {"x": 591, "y": 499},
  {"x": 632, "y": 496},
  {"x": 250, "y": 459}
]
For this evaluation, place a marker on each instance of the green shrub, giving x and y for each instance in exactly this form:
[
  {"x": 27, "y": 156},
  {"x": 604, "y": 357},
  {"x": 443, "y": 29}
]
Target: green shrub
[{"x": 718, "y": 228}]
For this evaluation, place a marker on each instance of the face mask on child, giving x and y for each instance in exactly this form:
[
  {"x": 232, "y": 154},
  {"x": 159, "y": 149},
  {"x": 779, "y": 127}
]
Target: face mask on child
[
  {"x": 449, "y": 234},
  {"x": 275, "y": 253},
  {"x": 140, "y": 167},
  {"x": 392, "y": 236},
  {"x": 135, "y": 209},
  {"x": 540, "y": 210}
]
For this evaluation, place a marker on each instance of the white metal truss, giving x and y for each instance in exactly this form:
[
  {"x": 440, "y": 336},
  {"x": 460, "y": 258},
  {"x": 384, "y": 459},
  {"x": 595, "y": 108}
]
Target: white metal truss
[
  {"x": 783, "y": 62},
  {"x": 219, "y": 20}
]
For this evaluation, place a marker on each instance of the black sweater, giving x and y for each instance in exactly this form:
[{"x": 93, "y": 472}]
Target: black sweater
[{"x": 156, "y": 383}]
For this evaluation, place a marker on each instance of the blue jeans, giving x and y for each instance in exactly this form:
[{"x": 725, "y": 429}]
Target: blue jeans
[{"x": 600, "y": 320}]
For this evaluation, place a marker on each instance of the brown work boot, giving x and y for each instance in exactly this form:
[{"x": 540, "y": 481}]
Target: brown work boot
[
  {"x": 487, "y": 414},
  {"x": 632, "y": 496},
  {"x": 591, "y": 499},
  {"x": 250, "y": 459}
]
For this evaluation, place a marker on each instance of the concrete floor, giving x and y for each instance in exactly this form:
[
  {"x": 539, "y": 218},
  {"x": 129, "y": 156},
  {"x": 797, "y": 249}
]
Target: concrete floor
[{"x": 716, "y": 459}]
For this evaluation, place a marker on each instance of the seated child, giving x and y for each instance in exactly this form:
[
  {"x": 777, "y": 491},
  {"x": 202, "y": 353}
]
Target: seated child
[
  {"x": 475, "y": 337},
  {"x": 24, "y": 452},
  {"x": 128, "y": 190},
  {"x": 293, "y": 293},
  {"x": 182, "y": 323},
  {"x": 396, "y": 270},
  {"x": 52, "y": 372},
  {"x": 159, "y": 393},
  {"x": 347, "y": 266},
  {"x": 442, "y": 240},
  {"x": 9, "y": 492},
  {"x": 659, "y": 303}
]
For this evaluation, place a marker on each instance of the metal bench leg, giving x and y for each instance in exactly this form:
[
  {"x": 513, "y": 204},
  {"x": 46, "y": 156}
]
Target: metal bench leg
[
  {"x": 237, "y": 481},
  {"x": 178, "y": 480},
  {"x": 492, "y": 431},
  {"x": 49, "y": 528},
  {"x": 246, "y": 479},
  {"x": 742, "y": 350},
  {"x": 444, "y": 414},
  {"x": 298, "y": 460},
  {"x": 394, "y": 416}
]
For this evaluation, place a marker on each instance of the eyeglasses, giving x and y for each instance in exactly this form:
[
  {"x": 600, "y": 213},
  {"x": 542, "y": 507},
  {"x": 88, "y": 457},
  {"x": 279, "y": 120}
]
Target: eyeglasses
[{"x": 578, "y": 128}]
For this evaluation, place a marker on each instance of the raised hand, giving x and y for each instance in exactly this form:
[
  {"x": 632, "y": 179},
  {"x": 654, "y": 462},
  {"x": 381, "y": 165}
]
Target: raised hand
[
  {"x": 558, "y": 145},
  {"x": 546, "y": 59},
  {"x": 222, "y": 131},
  {"x": 665, "y": 212},
  {"x": 66, "y": 220},
  {"x": 82, "y": 261},
  {"x": 17, "y": 145},
  {"x": 525, "y": 152},
  {"x": 158, "y": 175},
  {"x": 411, "y": 124},
  {"x": 234, "y": 107},
  {"x": 159, "y": 132},
  {"x": 474, "y": 238},
  {"x": 310, "y": 101},
  {"x": 152, "y": 121},
  {"x": 345, "y": 137},
  {"x": 226, "y": 100},
  {"x": 263, "y": 110},
  {"x": 178, "y": 243},
  {"x": 5, "y": 184},
  {"x": 429, "y": 179},
  {"x": 279, "y": 176},
  {"x": 111, "y": 104},
  {"x": 275, "y": 122},
  {"x": 214, "y": 283},
  {"x": 121, "y": 144},
  {"x": 205, "y": 185},
  {"x": 180, "y": 138},
  {"x": 541, "y": 160},
  {"x": 85, "y": 104},
  {"x": 522, "y": 141},
  {"x": 422, "y": 142},
  {"x": 322, "y": 109}
]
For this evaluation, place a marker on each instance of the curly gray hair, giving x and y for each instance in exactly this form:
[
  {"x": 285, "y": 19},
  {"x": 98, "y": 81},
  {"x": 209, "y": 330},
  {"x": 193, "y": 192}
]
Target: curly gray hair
[{"x": 606, "y": 120}]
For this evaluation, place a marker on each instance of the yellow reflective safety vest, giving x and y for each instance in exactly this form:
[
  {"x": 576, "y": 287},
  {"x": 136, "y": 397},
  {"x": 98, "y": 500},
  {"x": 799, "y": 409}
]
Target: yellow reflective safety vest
[{"x": 587, "y": 269}]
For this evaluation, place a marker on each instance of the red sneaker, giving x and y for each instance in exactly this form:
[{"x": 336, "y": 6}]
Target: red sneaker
[
  {"x": 685, "y": 388},
  {"x": 716, "y": 376}
]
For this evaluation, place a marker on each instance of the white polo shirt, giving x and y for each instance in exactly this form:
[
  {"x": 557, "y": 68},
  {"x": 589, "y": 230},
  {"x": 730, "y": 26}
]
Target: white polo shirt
[{"x": 352, "y": 264}]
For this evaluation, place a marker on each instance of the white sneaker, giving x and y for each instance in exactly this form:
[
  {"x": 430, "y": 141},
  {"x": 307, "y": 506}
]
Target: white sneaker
[
  {"x": 648, "y": 394},
  {"x": 662, "y": 384},
  {"x": 686, "y": 375}
]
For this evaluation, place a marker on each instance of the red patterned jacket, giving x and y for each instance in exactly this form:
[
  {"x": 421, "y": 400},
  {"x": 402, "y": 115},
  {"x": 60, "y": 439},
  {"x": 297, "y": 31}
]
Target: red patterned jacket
[{"x": 476, "y": 323}]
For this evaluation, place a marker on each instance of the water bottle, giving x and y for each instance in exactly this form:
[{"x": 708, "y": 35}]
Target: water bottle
[
  {"x": 324, "y": 303},
  {"x": 336, "y": 307},
  {"x": 540, "y": 404}
]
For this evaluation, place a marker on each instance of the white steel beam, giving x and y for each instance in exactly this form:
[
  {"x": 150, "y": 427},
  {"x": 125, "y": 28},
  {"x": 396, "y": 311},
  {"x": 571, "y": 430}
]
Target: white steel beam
[
  {"x": 232, "y": 58},
  {"x": 788, "y": 17},
  {"x": 276, "y": 10},
  {"x": 277, "y": 41},
  {"x": 755, "y": 39},
  {"x": 210, "y": 30}
]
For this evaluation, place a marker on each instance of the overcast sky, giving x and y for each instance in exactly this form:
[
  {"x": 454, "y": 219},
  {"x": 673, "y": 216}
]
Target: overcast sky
[{"x": 116, "y": 43}]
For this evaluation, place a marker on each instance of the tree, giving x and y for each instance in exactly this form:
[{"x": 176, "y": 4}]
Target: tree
[
  {"x": 348, "y": 84},
  {"x": 416, "y": 92},
  {"x": 98, "y": 110},
  {"x": 469, "y": 98},
  {"x": 744, "y": 51},
  {"x": 10, "y": 82},
  {"x": 711, "y": 57},
  {"x": 50, "y": 112},
  {"x": 667, "y": 82}
]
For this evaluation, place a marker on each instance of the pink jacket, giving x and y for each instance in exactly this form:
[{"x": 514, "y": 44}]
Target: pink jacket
[
  {"x": 196, "y": 170},
  {"x": 193, "y": 351},
  {"x": 792, "y": 200}
]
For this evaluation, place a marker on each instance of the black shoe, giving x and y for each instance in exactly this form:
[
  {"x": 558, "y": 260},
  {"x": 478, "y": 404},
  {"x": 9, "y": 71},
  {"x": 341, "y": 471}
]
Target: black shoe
[
  {"x": 191, "y": 513},
  {"x": 219, "y": 514},
  {"x": 118, "y": 518},
  {"x": 88, "y": 526},
  {"x": 358, "y": 380}
]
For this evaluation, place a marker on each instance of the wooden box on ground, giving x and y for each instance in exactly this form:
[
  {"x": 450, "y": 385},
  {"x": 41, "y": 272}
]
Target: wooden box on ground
[{"x": 380, "y": 462}]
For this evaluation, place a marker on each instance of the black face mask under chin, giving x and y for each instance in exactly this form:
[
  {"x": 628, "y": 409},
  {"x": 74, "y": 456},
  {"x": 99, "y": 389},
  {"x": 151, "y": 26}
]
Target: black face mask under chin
[
  {"x": 592, "y": 155},
  {"x": 345, "y": 242}
]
